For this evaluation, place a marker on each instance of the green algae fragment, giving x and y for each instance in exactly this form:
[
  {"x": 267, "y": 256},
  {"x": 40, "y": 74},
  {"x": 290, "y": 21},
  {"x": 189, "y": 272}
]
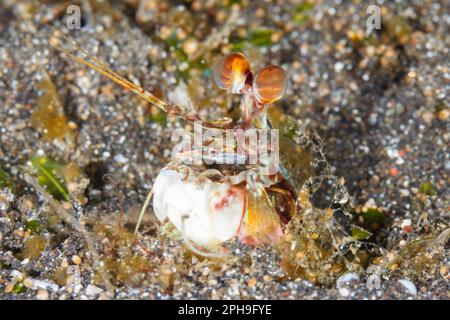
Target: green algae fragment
[
  {"x": 5, "y": 180},
  {"x": 19, "y": 287},
  {"x": 261, "y": 37},
  {"x": 32, "y": 226},
  {"x": 373, "y": 219},
  {"x": 302, "y": 12},
  {"x": 359, "y": 233},
  {"x": 256, "y": 37},
  {"x": 427, "y": 188},
  {"x": 49, "y": 176}
]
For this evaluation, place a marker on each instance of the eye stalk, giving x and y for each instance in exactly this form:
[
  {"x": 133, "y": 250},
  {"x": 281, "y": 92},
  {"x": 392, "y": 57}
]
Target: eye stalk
[
  {"x": 270, "y": 84},
  {"x": 231, "y": 72}
]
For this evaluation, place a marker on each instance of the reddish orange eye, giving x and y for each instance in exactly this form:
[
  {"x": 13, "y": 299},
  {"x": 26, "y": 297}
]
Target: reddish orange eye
[
  {"x": 231, "y": 72},
  {"x": 270, "y": 84}
]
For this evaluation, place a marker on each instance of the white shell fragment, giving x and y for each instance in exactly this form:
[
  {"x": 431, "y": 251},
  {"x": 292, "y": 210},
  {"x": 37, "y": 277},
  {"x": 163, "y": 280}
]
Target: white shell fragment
[
  {"x": 206, "y": 212},
  {"x": 409, "y": 286}
]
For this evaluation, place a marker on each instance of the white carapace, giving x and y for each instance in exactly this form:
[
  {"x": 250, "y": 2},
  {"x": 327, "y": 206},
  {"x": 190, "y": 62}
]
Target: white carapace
[{"x": 206, "y": 212}]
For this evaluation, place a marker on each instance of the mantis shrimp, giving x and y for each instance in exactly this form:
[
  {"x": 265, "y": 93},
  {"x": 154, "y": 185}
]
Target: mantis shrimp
[{"x": 225, "y": 195}]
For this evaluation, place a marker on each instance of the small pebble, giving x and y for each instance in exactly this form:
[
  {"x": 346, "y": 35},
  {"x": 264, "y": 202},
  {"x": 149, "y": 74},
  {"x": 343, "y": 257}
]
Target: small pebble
[
  {"x": 251, "y": 282},
  {"x": 42, "y": 294},
  {"x": 338, "y": 66},
  {"x": 76, "y": 259},
  {"x": 9, "y": 288},
  {"x": 28, "y": 283},
  {"x": 190, "y": 46},
  {"x": 93, "y": 290},
  {"x": 393, "y": 171},
  {"x": 443, "y": 115}
]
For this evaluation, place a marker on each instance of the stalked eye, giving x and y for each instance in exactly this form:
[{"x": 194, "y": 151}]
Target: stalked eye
[
  {"x": 270, "y": 84},
  {"x": 231, "y": 72}
]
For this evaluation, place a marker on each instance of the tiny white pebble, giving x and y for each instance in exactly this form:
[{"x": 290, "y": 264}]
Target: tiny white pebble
[{"x": 338, "y": 66}]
